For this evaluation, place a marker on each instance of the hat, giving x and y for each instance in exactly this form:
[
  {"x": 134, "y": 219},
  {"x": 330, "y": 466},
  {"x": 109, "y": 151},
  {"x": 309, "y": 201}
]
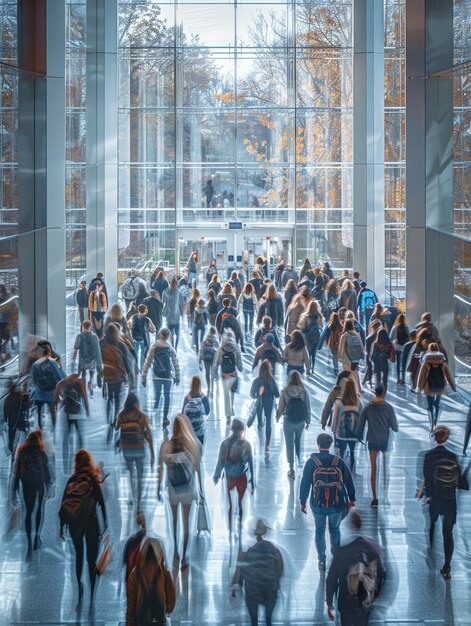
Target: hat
[
  {"x": 270, "y": 338},
  {"x": 260, "y": 528}
]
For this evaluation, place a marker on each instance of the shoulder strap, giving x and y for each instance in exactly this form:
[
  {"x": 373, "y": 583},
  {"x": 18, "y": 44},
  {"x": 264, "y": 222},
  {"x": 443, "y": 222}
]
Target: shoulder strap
[
  {"x": 335, "y": 461},
  {"x": 316, "y": 460}
]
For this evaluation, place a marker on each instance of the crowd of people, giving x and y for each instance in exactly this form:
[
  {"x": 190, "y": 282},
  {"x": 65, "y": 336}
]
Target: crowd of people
[{"x": 286, "y": 319}]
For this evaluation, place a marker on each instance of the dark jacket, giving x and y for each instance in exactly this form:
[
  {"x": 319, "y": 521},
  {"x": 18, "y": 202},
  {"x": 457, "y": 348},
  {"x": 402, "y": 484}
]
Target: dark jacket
[
  {"x": 348, "y": 299},
  {"x": 154, "y": 308},
  {"x": 270, "y": 391},
  {"x": 432, "y": 459},
  {"x": 264, "y": 331},
  {"x": 273, "y": 307},
  {"x": 32, "y": 469},
  {"x": 359, "y": 550},
  {"x": 259, "y": 570},
  {"x": 306, "y": 483},
  {"x": 381, "y": 419},
  {"x": 81, "y": 297}
]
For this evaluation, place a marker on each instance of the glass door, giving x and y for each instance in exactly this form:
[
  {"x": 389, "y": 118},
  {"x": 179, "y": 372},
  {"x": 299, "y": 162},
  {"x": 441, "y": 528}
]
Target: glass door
[{"x": 207, "y": 248}]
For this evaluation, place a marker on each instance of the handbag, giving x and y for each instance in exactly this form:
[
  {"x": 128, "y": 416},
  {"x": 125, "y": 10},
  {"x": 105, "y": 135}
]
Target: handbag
[
  {"x": 104, "y": 554},
  {"x": 253, "y": 410},
  {"x": 203, "y": 523}
]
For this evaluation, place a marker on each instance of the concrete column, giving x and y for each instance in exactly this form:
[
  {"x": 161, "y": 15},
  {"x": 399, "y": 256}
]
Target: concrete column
[
  {"x": 102, "y": 142},
  {"x": 41, "y": 169},
  {"x": 429, "y": 186},
  {"x": 368, "y": 142}
]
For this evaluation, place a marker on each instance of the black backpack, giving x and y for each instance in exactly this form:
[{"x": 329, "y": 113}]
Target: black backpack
[
  {"x": 348, "y": 425},
  {"x": 46, "y": 376},
  {"x": 228, "y": 363},
  {"x": 436, "y": 379},
  {"x": 72, "y": 403},
  {"x": 208, "y": 354},
  {"x": 178, "y": 473},
  {"x": 162, "y": 365},
  {"x": 447, "y": 478},
  {"x": 402, "y": 336},
  {"x": 139, "y": 328},
  {"x": 78, "y": 501},
  {"x": 296, "y": 410},
  {"x": 327, "y": 484},
  {"x": 150, "y": 612}
]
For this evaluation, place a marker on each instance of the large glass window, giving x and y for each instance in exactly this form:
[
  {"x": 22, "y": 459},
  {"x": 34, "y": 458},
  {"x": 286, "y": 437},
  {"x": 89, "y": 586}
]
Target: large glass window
[
  {"x": 395, "y": 146},
  {"x": 235, "y": 111}
]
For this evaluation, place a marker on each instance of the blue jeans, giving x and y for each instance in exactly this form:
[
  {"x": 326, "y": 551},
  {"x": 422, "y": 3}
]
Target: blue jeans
[
  {"x": 140, "y": 350},
  {"x": 192, "y": 280},
  {"x": 320, "y": 520},
  {"x": 165, "y": 385},
  {"x": 248, "y": 321}
]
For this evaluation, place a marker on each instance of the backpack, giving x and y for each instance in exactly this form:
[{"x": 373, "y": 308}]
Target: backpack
[
  {"x": 296, "y": 410},
  {"x": 86, "y": 347},
  {"x": 354, "y": 348},
  {"x": 129, "y": 289},
  {"x": 29, "y": 469},
  {"x": 208, "y": 354},
  {"x": 46, "y": 376},
  {"x": 131, "y": 433},
  {"x": 138, "y": 328},
  {"x": 235, "y": 461},
  {"x": 402, "y": 336},
  {"x": 162, "y": 366},
  {"x": 179, "y": 474},
  {"x": 362, "y": 581},
  {"x": 78, "y": 502},
  {"x": 368, "y": 300},
  {"x": 436, "y": 379},
  {"x": 333, "y": 304},
  {"x": 72, "y": 403},
  {"x": 446, "y": 478},
  {"x": 327, "y": 484},
  {"x": 228, "y": 321},
  {"x": 228, "y": 363},
  {"x": 194, "y": 408},
  {"x": 348, "y": 425},
  {"x": 150, "y": 612},
  {"x": 200, "y": 319}
]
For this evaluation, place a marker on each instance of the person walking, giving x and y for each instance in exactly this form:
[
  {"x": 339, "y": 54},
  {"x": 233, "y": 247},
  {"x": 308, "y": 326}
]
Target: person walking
[
  {"x": 442, "y": 477},
  {"x": 331, "y": 299},
  {"x": 334, "y": 394},
  {"x": 294, "y": 314},
  {"x": 289, "y": 292},
  {"x": 211, "y": 271},
  {"x": 399, "y": 336},
  {"x": 81, "y": 299},
  {"x": 208, "y": 349},
  {"x": 296, "y": 356},
  {"x": 366, "y": 300},
  {"x": 190, "y": 309},
  {"x": 31, "y": 469},
  {"x": 196, "y": 407},
  {"x": 348, "y": 296},
  {"x": 75, "y": 410},
  {"x": 212, "y": 306},
  {"x": 160, "y": 284},
  {"x": 97, "y": 305},
  {"x": 117, "y": 368},
  {"x": 268, "y": 350},
  {"x": 235, "y": 460},
  {"x": 192, "y": 266},
  {"x": 248, "y": 305},
  {"x": 354, "y": 601},
  {"x": 115, "y": 316},
  {"x": 172, "y": 300},
  {"x": 328, "y": 484},
  {"x": 45, "y": 374},
  {"x": 181, "y": 457},
  {"x": 295, "y": 406},
  {"x": 259, "y": 571},
  {"x": 310, "y": 324},
  {"x": 266, "y": 329},
  {"x": 265, "y": 390},
  {"x": 141, "y": 327},
  {"x": 434, "y": 376},
  {"x": 272, "y": 306},
  {"x": 200, "y": 322},
  {"x": 226, "y": 319},
  {"x": 380, "y": 417},
  {"x": 162, "y": 357},
  {"x": 228, "y": 359},
  {"x": 87, "y": 346},
  {"x": 351, "y": 351},
  {"x": 154, "y": 306},
  {"x": 227, "y": 292},
  {"x": 78, "y": 511},
  {"x": 150, "y": 590},
  {"x": 345, "y": 420},
  {"x": 134, "y": 434},
  {"x": 382, "y": 352},
  {"x": 374, "y": 328}
]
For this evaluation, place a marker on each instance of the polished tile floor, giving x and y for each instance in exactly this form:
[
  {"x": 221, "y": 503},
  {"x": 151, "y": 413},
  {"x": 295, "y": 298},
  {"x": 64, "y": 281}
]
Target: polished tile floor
[{"x": 43, "y": 592}]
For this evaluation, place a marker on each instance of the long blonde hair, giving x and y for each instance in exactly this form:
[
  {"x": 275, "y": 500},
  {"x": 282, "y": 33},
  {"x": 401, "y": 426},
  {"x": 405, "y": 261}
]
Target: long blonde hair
[{"x": 183, "y": 438}]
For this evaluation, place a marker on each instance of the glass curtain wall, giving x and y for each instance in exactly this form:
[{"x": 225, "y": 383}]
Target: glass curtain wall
[
  {"x": 75, "y": 169},
  {"x": 395, "y": 146},
  {"x": 238, "y": 111},
  {"x": 9, "y": 202}
]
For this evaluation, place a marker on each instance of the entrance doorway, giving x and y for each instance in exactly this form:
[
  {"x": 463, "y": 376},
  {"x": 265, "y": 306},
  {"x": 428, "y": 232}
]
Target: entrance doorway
[
  {"x": 274, "y": 248},
  {"x": 207, "y": 248}
]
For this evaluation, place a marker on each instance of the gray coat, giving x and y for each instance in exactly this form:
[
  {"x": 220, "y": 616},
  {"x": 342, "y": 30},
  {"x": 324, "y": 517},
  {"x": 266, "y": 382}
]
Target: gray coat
[{"x": 173, "y": 305}]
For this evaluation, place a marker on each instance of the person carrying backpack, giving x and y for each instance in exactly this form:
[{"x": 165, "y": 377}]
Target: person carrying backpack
[
  {"x": 181, "y": 456},
  {"x": 265, "y": 329},
  {"x": 78, "y": 511},
  {"x": 295, "y": 405},
  {"x": 87, "y": 346},
  {"x": 228, "y": 359},
  {"x": 236, "y": 461},
  {"x": 162, "y": 358},
  {"x": 442, "y": 477},
  {"x": 367, "y": 299},
  {"x": 272, "y": 306},
  {"x": 355, "y": 576},
  {"x": 345, "y": 420},
  {"x": 381, "y": 419},
  {"x": 45, "y": 374},
  {"x": 150, "y": 590},
  {"x": 195, "y": 407},
  {"x": 248, "y": 305},
  {"x": 434, "y": 376},
  {"x": 381, "y": 352},
  {"x": 259, "y": 570},
  {"x": 235, "y": 283},
  {"x": 172, "y": 300},
  {"x": 295, "y": 354},
  {"x": 81, "y": 299},
  {"x": 212, "y": 306},
  {"x": 226, "y": 319},
  {"x": 399, "y": 336},
  {"x": 140, "y": 326},
  {"x": 268, "y": 351},
  {"x": 207, "y": 355},
  {"x": 200, "y": 322},
  {"x": 351, "y": 351},
  {"x": 310, "y": 325},
  {"x": 264, "y": 390},
  {"x": 74, "y": 407},
  {"x": 117, "y": 368},
  {"x": 328, "y": 484},
  {"x": 135, "y": 432},
  {"x": 31, "y": 469}
]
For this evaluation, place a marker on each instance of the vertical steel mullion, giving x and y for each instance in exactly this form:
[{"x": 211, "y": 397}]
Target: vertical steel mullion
[
  {"x": 176, "y": 136},
  {"x": 236, "y": 134},
  {"x": 293, "y": 81}
]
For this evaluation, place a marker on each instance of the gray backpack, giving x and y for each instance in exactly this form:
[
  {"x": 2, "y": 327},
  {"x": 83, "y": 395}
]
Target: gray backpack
[{"x": 354, "y": 348}]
